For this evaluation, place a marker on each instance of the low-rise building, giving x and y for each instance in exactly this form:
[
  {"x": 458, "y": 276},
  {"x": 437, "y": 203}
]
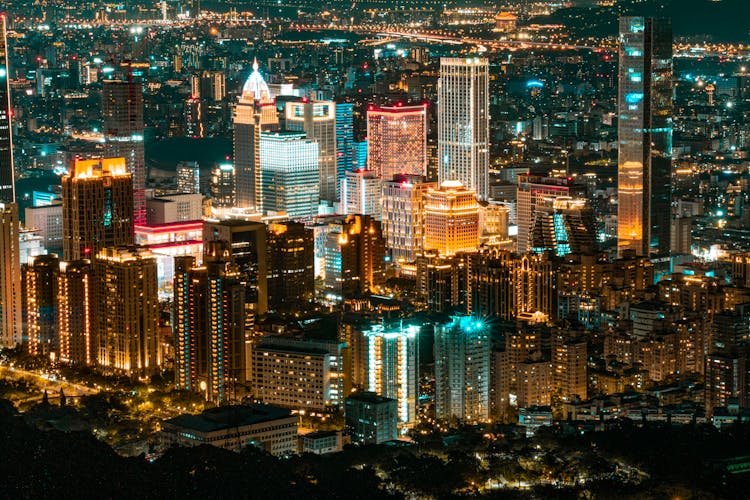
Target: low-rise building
[
  {"x": 371, "y": 419},
  {"x": 321, "y": 442}
]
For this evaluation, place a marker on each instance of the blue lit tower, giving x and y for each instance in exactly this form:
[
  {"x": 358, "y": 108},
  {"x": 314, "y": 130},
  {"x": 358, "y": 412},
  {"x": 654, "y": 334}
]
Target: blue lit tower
[
  {"x": 645, "y": 135},
  {"x": 7, "y": 188},
  {"x": 462, "y": 369},
  {"x": 344, "y": 142}
]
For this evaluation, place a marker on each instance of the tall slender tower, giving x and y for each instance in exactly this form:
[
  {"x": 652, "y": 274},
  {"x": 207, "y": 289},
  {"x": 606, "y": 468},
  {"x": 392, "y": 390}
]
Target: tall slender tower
[
  {"x": 7, "y": 185},
  {"x": 255, "y": 111},
  {"x": 318, "y": 120},
  {"x": 645, "y": 136},
  {"x": 122, "y": 108},
  {"x": 464, "y": 123},
  {"x": 11, "y": 323}
]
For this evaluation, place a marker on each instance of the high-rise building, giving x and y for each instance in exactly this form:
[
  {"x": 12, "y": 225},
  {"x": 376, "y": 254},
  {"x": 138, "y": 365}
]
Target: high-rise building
[
  {"x": 194, "y": 113},
  {"x": 209, "y": 327},
  {"x": 393, "y": 366},
  {"x": 75, "y": 321},
  {"x": 397, "y": 140},
  {"x": 255, "y": 111},
  {"x": 462, "y": 370},
  {"x": 40, "y": 304},
  {"x": 289, "y": 174},
  {"x": 644, "y": 136},
  {"x": 122, "y": 110},
  {"x": 532, "y": 191},
  {"x": 247, "y": 244},
  {"x": 562, "y": 225},
  {"x": 344, "y": 141},
  {"x": 569, "y": 367},
  {"x": 7, "y": 174},
  {"x": 464, "y": 123},
  {"x": 317, "y": 119},
  {"x": 126, "y": 310},
  {"x": 291, "y": 278},
  {"x": 11, "y": 322},
  {"x": 47, "y": 222},
  {"x": 97, "y": 207},
  {"x": 451, "y": 219},
  {"x": 403, "y": 216},
  {"x": 354, "y": 256},
  {"x": 361, "y": 192},
  {"x": 188, "y": 177},
  {"x": 223, "y": 184}
]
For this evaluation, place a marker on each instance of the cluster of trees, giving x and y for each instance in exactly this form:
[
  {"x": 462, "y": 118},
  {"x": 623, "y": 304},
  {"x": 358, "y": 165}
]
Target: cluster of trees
[{"x": 626, "y": 461}]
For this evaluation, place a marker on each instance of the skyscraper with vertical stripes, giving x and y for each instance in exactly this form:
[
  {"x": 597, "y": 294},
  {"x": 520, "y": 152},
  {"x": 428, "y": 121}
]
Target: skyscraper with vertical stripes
[{"x": 7, "y": 187}]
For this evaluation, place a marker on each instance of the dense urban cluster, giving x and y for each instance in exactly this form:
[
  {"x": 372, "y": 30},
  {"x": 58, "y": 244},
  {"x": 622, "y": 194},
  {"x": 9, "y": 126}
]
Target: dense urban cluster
[{"x": 502, "y": 244}]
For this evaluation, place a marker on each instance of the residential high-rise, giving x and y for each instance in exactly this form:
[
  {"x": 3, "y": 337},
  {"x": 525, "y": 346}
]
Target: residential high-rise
[
  {"x": 223, "y": 183},
  {"x": 126, "y": 310},
  {"x": 464, "y": 123},
  {"x": 97, "y": 207},
  {"x": 451, "y": 219},
  {"x": 354, "y": 257},
  {"x": 344, "y": 141},
  {"x": 532, "y": 191},
  {"x": 247, "y": 243},
  {"x": 47, "y": 222},
  {"x": 569, "y": 367},
  {"x": 397, "y": 140},
  {"x": 11, "y": 322},
  {"x": 255, "y": 111},
  {"x": 644, "y": 136},
  {"x": 562, "y": 225},
  {"x": 361, "y": 192},
  {"x": 289, "y": 164},
  {"x": 393, "y": 366},
  {"x": 209, "y": 326},
  {"x": 291, "y": 278},
  {"x": 75, "y": 296},
  {"x": 371, "y": 418},
  {"x": 7, "y": 174},
  {"x": 41, "y": 304},
  {"x": 403, "y": 216},
  {"x": 317, "y": 119},
  {"x": 122, "y": 110},
  {"x": 462, "y": 370}
]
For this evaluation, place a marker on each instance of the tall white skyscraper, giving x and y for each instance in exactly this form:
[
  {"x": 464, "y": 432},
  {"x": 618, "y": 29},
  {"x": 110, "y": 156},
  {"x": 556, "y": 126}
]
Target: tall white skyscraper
[
  {"x": 464, "y": 123},
  {"x": 289, "y": 174},
  {"x": 318, "y": 120},
  {"x": 361, "y": 193}
]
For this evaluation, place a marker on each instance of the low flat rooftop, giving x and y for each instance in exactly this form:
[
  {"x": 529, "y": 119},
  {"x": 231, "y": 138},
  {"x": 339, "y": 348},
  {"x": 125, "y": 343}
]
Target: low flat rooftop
[{"x": 225, "y": 417}]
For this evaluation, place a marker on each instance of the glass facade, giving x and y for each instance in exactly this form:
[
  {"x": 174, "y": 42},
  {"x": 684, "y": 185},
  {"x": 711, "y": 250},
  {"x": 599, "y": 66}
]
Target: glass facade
[{"x": 7, "y": 187}]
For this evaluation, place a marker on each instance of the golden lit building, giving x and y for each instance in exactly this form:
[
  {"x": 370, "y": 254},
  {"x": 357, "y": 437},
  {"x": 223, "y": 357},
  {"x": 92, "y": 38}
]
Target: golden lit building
[
  {"x": 97, "y": 207},
  {"x": 451, "y": 220},
  {"x": 11, "y": 322},
  {"x": 75, "y": 287},
  {"x": 40, "y": 304},
  {"x": 126, "y": 310},
  {"x": 397, "y": 140}
]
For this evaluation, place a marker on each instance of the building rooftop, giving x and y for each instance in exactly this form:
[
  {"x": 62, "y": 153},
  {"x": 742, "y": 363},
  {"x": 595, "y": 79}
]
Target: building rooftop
[
  {"x": 369, "y": 397},
  {"x": 225, "y": 417}
]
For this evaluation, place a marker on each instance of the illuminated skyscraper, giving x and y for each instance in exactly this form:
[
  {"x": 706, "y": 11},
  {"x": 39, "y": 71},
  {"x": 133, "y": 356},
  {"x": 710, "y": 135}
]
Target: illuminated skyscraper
[
  {"x": 344, "y": 141},
  {"x": 7, "y": 175},
  {"x": 208, "y": 326},
  {"x": 393, "y": 366},
  {"x": 126, "y": 310},
  {"x": 97, "y": 207},
  {"x": 361, "y": 192},
  {"x": 532, "y": 191},
  {"x": 291, "y": 280},
  {"x": 122, "y": 110},
  {"x": 397, "y": 140},
  {"x": 317, "y": 119},
  {"x": 40, "y": 304},
  {"x": 562, "y": 225},
  {"x": 289, "y": 174},
  {"x": 645, "y": 136},
  {"x": 11, "y": 323},
  {"x": 75, "y": 321},
  {"x": 451, "y": 219},
  {"x": 223, "y": 186},
  {"x": 188, "y": 177},
  {"x": 464, "y": 123},
  {"x": 255, "y": 111},
  {"x": 403, "y": 216},
  {"x": 462, "y": 370}
]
